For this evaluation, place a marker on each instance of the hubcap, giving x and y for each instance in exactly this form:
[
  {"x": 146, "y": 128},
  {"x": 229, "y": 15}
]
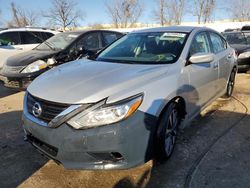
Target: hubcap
[{"x": 171, "y": 131}]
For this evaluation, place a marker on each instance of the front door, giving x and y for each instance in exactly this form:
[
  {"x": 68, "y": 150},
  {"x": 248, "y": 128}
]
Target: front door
[{"x": 202, "y": 77}]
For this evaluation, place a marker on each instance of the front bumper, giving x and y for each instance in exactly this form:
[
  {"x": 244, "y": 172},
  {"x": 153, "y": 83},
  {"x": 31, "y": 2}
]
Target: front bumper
[
  {"x": 20, "y": 84},
  {"x": 18, "y": 81},
  {"x": 118, "y": 146}
]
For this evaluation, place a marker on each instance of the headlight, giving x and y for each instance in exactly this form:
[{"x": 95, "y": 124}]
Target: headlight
[
  {"x": 244, "y": 55},
  {"x": 106, "y": 114},
  {"x": 36, "y": 66}
]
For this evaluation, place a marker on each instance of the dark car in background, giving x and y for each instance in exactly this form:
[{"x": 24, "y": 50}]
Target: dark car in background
[
  {"x": 240, "y": 41},
  {"x": 21, "y": 69}
]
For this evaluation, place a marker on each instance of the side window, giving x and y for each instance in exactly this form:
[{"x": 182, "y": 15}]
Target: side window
[
  {"x": 109, "y": 37},
  {"x": 31, "y": 37},
  {"x": 218, "y": 43},
  {"x": 200, "y": 44},
  {"x": 10, "y": 38},
  {"x": 47, "y": 35},
  {"x": 89, "y": 42},
  {"x": 247, "y": 37}
]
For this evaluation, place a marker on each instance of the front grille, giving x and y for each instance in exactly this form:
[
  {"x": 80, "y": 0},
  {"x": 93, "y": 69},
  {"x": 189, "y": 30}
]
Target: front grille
[{"x": 49, "y": 109}]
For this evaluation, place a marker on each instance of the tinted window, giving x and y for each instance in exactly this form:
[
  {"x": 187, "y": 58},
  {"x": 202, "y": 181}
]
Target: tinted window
[
  {"x": 31, "y": 37},
  {"x": 10, "y": 38},
  {"x": 145, "y": 48},
  {"x": 247, "y": 35},
  {"x": 90, "y": 41},
  {"x": 235, "y": 38},
  {"x": 217, "y": 42},
  {"x": 47, "y": 35},
  {"x": 109, "y": 37},
  {"x": 200, "y": 44}
]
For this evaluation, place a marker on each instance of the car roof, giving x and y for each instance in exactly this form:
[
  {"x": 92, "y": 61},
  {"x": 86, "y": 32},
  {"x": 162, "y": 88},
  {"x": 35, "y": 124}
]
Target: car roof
[
  {"x": 4, "y": 30},
  {"x": 235, "y": 32},
  {"x": 185, "y": 29},
  {"x": 79, "y": 32}
]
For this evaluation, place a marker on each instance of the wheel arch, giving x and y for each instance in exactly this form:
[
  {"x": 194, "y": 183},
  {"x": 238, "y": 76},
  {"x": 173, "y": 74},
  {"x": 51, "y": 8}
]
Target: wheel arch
[{"x": 181, "y": 105}]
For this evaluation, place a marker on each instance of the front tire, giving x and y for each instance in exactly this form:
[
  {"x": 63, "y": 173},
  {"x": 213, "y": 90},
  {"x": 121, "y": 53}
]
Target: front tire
[
  {"x": 167, "y": 131},
  {"x": 230, "y": 85}
]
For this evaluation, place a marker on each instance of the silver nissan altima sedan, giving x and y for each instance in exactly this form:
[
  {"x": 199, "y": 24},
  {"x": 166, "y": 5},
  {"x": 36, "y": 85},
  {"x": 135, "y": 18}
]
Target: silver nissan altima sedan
[{"x": 125, "y": 106}]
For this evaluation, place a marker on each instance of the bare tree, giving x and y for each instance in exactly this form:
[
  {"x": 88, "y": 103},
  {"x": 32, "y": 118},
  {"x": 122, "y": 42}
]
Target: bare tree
[
  {"x": 204, "y": 9},
  {"x": 177, "y": 9},
  {"x": 22, "y": 17},
  {"x": 240, "y": 11},
  {"x": 96, "y": 26},
  {"x": 124, "y": 13},
  {"x": 160, "y": 14},
  {"x": 64, "y": 13},
  {"x": 169, "y": 12}
]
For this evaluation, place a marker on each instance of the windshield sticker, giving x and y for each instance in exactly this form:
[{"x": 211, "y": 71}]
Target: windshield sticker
[{"x": 173, "y": 35}]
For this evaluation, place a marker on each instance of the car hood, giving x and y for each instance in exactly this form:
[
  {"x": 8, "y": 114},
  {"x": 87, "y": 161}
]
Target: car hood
[
  {"x": 29, "y": 57},
  {"x": 240, "y": 47},
  {"x": 86, "y": 81}
]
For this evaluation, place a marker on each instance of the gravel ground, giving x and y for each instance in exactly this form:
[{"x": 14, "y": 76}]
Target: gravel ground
[{"x": 212, "y": 152}]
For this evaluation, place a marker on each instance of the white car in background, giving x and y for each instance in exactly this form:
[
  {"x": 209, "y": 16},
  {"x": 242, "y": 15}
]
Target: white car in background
[{"x": 17, "y": 40}]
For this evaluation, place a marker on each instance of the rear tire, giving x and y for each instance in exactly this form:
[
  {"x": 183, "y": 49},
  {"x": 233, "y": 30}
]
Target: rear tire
[
  {"x": 167, "y": 131},
  {"x": 230, "y": 85}
]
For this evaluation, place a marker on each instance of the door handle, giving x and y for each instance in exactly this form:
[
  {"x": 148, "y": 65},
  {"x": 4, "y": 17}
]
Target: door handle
[{"x": 216, "y": 65}]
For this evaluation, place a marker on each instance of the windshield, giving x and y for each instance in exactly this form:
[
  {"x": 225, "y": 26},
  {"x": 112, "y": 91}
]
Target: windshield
[
  {"x": 145, "y": 48},
  {"x": 58, "y": 42},
  {"x": 236, "y": 38}
]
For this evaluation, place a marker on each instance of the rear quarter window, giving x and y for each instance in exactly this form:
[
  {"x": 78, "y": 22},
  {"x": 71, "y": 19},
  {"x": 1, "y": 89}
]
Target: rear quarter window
[
  {"x": 47, "y": 35},
  {"x": 110, "y": 37}
]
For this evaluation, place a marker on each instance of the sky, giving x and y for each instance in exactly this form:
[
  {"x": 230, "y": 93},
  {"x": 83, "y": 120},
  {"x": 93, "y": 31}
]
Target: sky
[{"x": 95, "y": 11}]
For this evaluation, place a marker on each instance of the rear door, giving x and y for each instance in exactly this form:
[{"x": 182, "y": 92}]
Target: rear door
[
  {"x": 223, "y": 56},
  {"x": 202, "y": 77}
]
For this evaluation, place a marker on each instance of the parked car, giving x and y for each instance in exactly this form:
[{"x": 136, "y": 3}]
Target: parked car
[
  {"x": 240, "y": 41},
  {"x": 125, "y": 107},
  {"x": 21, "y": 69},
  {"x": 17, "y": 40}
]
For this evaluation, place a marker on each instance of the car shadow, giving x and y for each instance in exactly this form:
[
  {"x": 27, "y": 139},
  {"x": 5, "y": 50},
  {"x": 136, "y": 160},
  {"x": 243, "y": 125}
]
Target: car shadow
[
  {"x": 4, "y": 92},
  {"x": 19, "y": 160},
  {"x": 191, "y": 144}
]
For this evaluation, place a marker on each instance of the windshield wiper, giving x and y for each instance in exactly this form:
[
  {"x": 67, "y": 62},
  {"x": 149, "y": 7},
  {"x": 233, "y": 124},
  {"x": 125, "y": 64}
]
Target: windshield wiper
[{"x": 45, "y": 42}]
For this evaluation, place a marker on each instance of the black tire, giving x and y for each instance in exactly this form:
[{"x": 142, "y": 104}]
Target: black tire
[
  {"x": 167, "y": 132},
  {"x": 230, "y": 85}
]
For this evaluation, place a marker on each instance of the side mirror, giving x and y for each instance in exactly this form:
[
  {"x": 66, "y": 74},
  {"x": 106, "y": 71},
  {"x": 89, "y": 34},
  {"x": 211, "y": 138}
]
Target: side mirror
[
  {"x": 51, "y": 61},
  {"x": 202, "y": 58},
  {"x": 81, "y": 51}
]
